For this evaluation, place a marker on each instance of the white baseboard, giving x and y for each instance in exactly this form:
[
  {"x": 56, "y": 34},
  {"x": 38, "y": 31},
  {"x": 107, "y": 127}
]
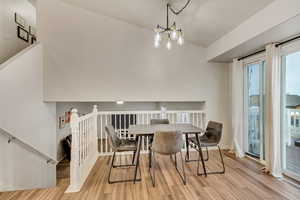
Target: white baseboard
[{"x": 5, "y": 188}]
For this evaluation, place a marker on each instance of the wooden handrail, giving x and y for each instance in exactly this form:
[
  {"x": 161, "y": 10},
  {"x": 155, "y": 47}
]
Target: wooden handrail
[{"x": 12, "y": 138}]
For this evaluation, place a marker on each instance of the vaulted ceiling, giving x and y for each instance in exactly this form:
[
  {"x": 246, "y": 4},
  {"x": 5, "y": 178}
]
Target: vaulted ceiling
[{"x": 203, "y": 21}]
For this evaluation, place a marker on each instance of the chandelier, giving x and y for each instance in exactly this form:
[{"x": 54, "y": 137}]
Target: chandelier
[{"x": 172, "y": 33}]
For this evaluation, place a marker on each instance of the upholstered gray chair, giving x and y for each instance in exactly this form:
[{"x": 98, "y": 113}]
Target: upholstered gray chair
[
  {"x": 211, "y": 138},
  {"x": 167, "y": 143},
  {"x": 120, "y": 145},
  {"x": 155, "y": 122}
]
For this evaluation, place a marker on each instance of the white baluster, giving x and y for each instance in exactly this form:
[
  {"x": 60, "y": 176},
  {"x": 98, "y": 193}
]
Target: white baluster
[
  {"x": 125, "y": 127},
  {"x": 120, "y": 126},
  {"x": 84, "y": 139},
  {"x": 101, "y": 133},
  {"x": 197, "y": 119},
  {"x": 95, "y": 129},
  {"x": 106, "y": 138}
]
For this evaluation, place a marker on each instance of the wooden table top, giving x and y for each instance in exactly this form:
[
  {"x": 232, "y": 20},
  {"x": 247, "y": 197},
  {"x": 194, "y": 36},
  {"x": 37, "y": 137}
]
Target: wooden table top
[{"x": 139, "y": 130}]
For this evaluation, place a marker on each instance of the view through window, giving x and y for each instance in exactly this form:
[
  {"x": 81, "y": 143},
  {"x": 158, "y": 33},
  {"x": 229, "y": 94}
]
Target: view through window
[
  {"x": 291, "y": 114},
  {"x": 255, "y": 109}
]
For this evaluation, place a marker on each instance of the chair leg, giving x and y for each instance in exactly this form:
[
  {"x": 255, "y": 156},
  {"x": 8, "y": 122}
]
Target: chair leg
[
  {"x": 114, "y": 166},
  {"x": 182, "y": 176},
  {"x": 150, "y": 157},
  {"x": 198, "y": 163},
  {"x": 207, "y": 155},
  {"x": 222, "y": 160},
  {"x": 133, "y": 157},
  {"x": 153, "y": 166},
  {"x": 187, "y": 158},
  {"x": 127, "y": 165},
  {"x": 183, "y": 168},
  {"x": 111, "y": 166},
  {"x": 187, "y": 155},
  {"x": 216, "y": 172},
  {"x": 150, "y": 150}
]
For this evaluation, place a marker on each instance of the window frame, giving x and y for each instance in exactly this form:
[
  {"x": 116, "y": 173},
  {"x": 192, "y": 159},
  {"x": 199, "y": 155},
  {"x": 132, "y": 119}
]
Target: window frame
[
  {"x": 286, "y": 50},
  {"x": 256, "y": 59}
]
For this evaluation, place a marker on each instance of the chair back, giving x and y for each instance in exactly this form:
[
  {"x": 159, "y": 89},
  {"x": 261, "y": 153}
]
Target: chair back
[
  {"x": 167, "y": 142},
  {"x": 114, "y": 140},
  {"x": 159, "y": 121},
  {"x": 214, "y": 131}
]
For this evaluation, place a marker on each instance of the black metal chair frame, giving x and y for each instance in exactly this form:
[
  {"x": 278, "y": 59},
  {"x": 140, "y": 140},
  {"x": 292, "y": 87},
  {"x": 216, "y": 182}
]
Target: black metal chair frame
[
  {"x": 187, "y": 157},
  {"x": 152, "y": 166},
  {"x": 212, "y": 172},
  {"x": 112, "y": 165}
]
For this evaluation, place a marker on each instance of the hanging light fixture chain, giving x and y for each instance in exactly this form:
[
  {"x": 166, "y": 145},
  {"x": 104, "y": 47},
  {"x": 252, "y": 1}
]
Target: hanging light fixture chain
[
  {"x": 179, "y": 11},
  {"x": 168, "y": 15}
]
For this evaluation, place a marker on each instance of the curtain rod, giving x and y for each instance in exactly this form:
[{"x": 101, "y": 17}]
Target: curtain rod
[
  {"x": 252, "y": 54},
  {"x": 263, "y": 50}
]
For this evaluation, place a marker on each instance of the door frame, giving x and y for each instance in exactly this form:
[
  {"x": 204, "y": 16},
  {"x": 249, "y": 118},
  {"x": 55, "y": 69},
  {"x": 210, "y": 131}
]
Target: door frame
[{"x": 286, "y": 50}]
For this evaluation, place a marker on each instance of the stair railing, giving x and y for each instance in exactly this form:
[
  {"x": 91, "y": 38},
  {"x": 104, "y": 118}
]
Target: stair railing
[
  {"x": 84, "y": 150},
  {"x": 28, "y": 147}
]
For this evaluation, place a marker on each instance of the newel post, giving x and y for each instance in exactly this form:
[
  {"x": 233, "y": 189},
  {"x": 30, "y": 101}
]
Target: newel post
[
  {"x": 95, "y": 131},
  {"x": 74, "y": 165}
]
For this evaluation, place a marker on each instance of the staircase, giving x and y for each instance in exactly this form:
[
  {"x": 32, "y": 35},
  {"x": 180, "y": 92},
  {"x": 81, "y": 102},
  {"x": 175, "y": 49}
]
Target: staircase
[{"x": 27, "y": 124}]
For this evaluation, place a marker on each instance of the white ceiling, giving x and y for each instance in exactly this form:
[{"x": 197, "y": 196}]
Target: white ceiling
[{"x": 203, "y": 21}]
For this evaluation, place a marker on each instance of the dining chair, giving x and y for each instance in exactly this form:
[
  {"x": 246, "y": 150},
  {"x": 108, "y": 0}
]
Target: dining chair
[
  {"x": 167, "y": 143},
  {"x": 211, "y": 138},
  {"x": 120, "y": 145},
  {"x": 155, "y": 122}
]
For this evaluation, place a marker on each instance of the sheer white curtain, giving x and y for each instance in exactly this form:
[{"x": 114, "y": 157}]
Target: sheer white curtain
[
  {"x": 273, "y": 103},
  {"x": 237, "y": 106}
]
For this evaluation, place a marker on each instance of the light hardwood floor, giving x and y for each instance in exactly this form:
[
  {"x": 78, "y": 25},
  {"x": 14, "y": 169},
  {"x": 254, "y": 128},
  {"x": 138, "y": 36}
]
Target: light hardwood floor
[{"x": 242, "y": 180}]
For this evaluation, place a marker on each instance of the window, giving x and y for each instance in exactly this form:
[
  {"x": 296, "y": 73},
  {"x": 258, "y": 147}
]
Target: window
[
  {"x": 290, "y": 114},
  {"x": 254, "y": 109}
]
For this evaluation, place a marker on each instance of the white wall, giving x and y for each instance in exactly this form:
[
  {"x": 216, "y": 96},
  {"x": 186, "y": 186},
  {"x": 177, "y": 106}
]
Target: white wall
[
  {"x": 89, "y": 57},
  {"x": 27, "y": 117},
  {"x": 114, "y": 60},
  {"x": 10, "y": 44}
]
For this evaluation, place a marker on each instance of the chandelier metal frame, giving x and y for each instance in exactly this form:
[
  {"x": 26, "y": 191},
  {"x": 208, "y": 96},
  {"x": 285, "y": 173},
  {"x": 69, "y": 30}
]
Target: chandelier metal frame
[{"x": 171, "y": 31}]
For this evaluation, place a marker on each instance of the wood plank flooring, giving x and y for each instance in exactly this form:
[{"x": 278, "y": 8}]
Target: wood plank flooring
[{"x": 242, "y": 180}]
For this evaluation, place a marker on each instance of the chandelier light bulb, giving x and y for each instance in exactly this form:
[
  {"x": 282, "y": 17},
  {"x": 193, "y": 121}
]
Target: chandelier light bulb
[
  {"x": 157, "y": 37},
  {"x": 180, "y": 40},
  {"x": 174, "y": 35},
  {"x": 169, "y": 44}
]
